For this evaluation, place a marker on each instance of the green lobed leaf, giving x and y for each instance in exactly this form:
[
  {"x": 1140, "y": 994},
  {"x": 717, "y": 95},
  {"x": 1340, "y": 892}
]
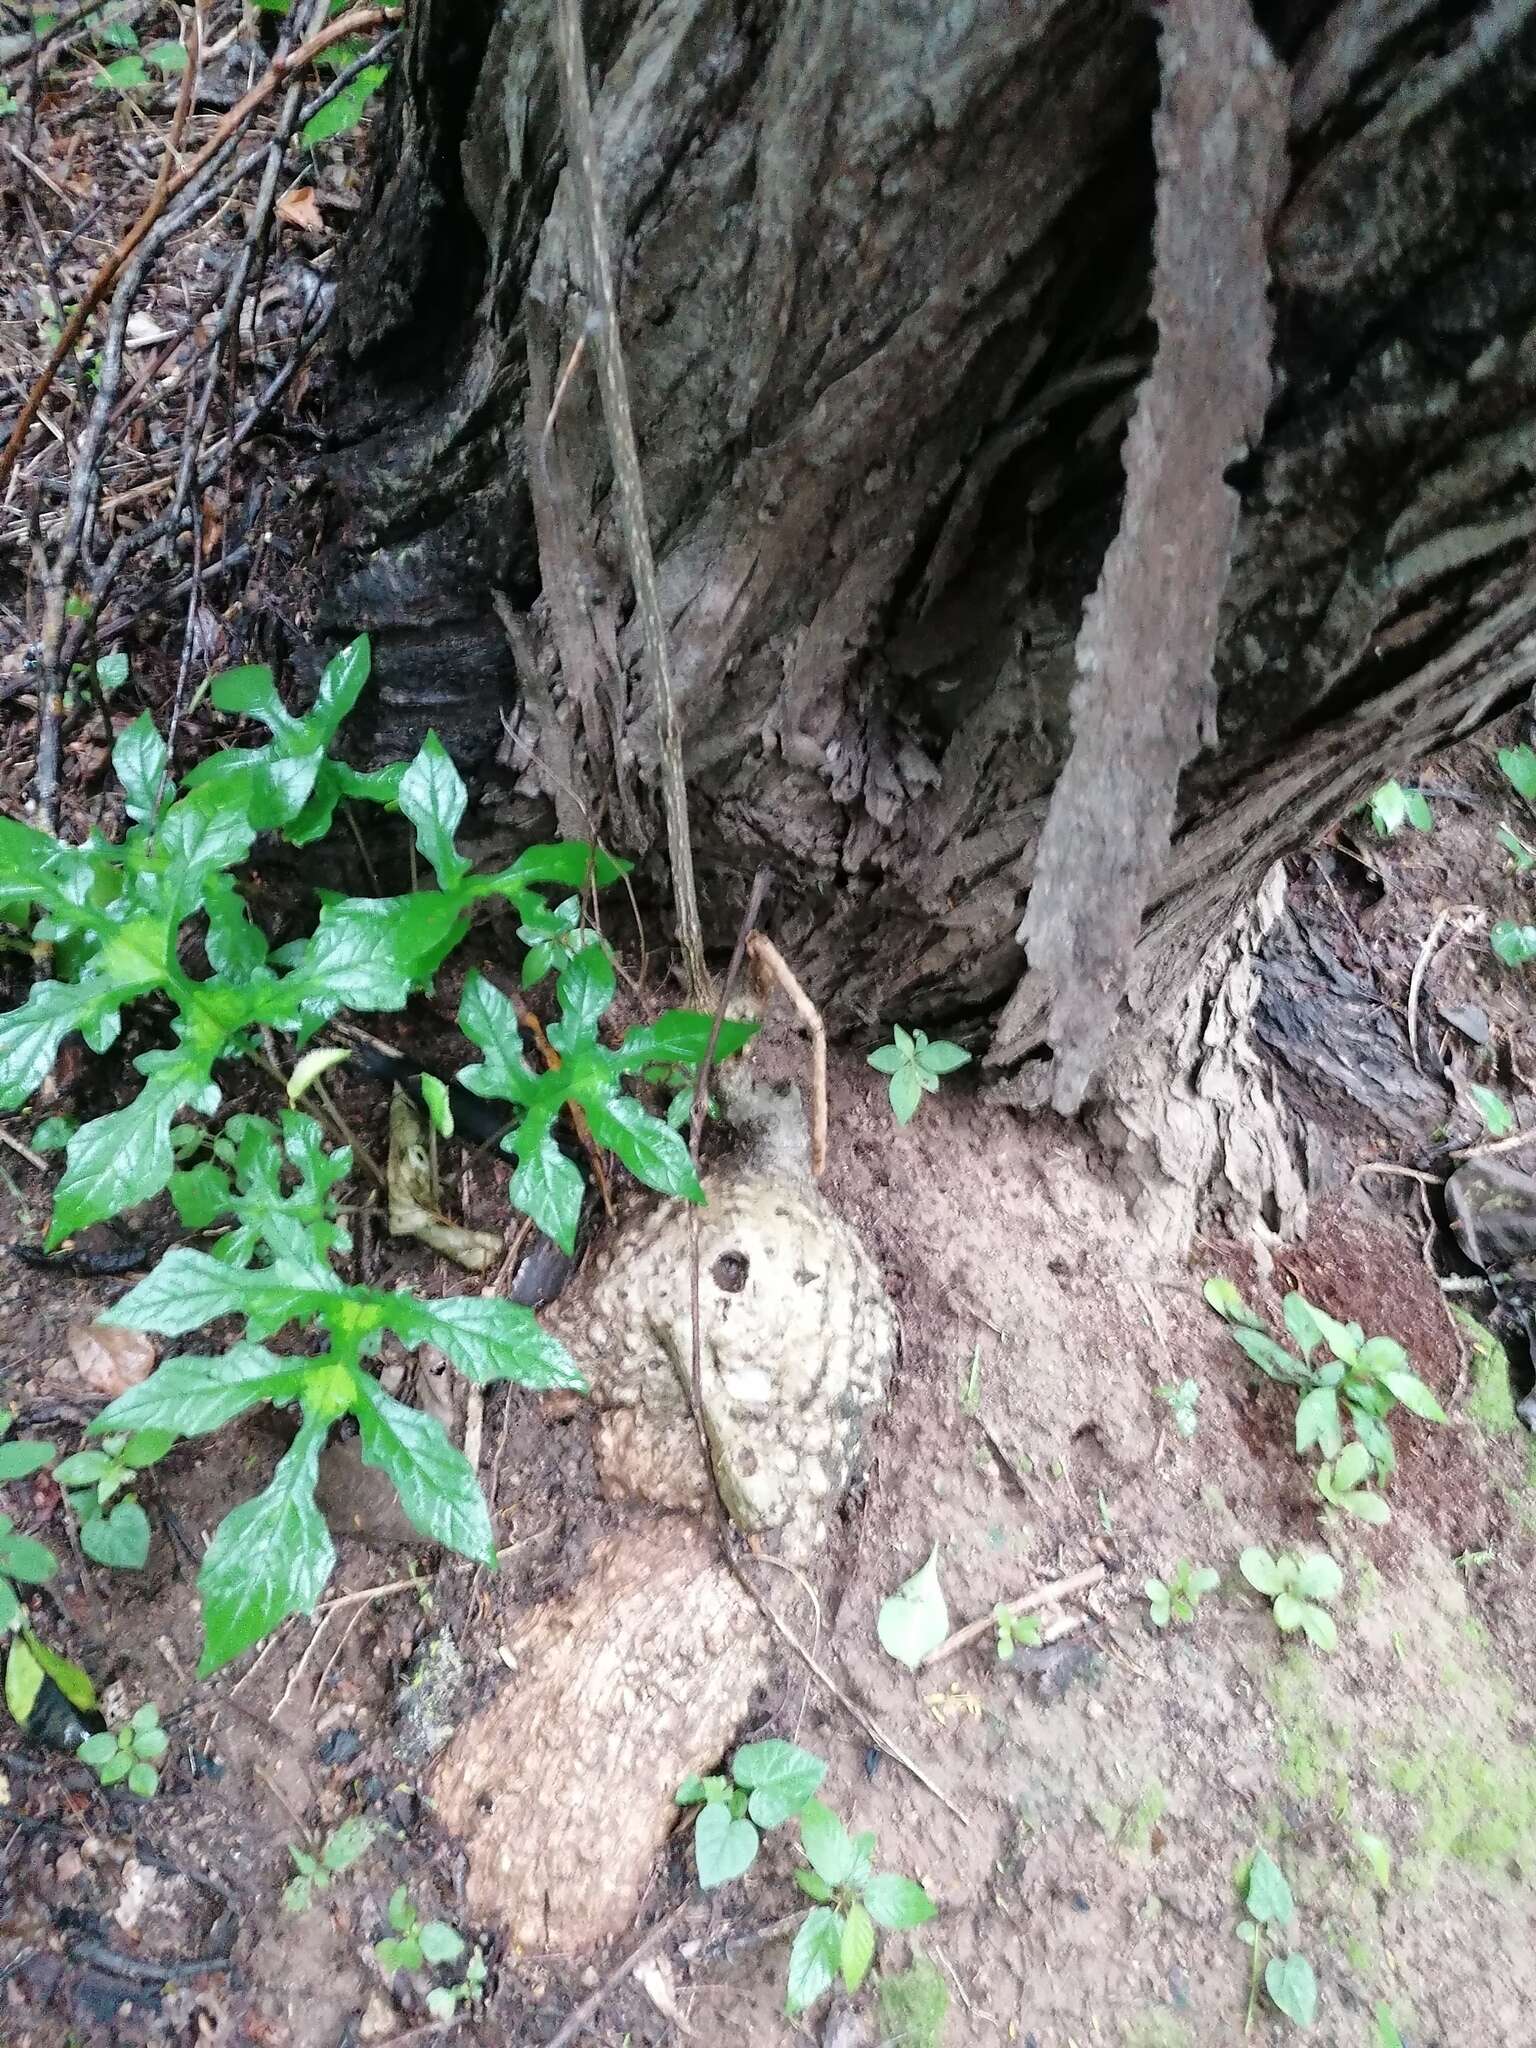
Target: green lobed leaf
[
  {"x": 567, "y": 864},
  {"x": 120, "y": 1539},
  {"x": 585, "y": 988},
  {"x": 143, "y": 1780},
  {"x": 1414, "y": 1395},
  {"x": 487, "y": 1339},
  {"x": 1289, "y": 1612},
  {"x": 1389, "y": 809},
  {"x": 828, "y": 1848},
  {"x": 1514, "y": 944},
  {"x": 83, "y": 1469},
  {"x": 1318, "y": 1626},
  {"x": 897, "y": 1902},
  {"x": 1495, "y": 1112},
  {"x": 1271, "y": 1358},
  {"x": 813, "y": 1886},
  {"x": 432, "y": 797},
  {"x": 722, "y": 1847},
  {"x": 347, "y": 1841},
  {"x": 1319, "y": 1577},
  {"x": 1261, "y": 1571},
  {"x": 780, "y": 1777},
  {"x": 941, "y": 1056},
  {"x": 1519, "y": 766},
  {"x": 269, "y": 1558},
  {"x": 22, "y": 1558},
  {"x": 96, "y": 1749},
  {"x": 437, "y": 1486},
  {"x": 31, "y": 1035},
  {"x": 815, "y": 1958},
  {"x": 440, "y": 1943},
  {"x": 20, "y": 1460},
  {"x": 200, "y": 1194},
  {"x": 1378, "y": 1855},
  {"x": 23, "y": 1681},
  {"x": 125, "y": 73},
  {"x": 681, "y": 1037},
  {"x": 191, "y": 1396},
  {"x": 1291, "y": 1984},
  {"x": 343, "y": 113},
  {"x": 489, "y": 1020},
  {"x": 1266, "y": 1893},
  {"x": 651, "y": 1149},
  {"x": 1223, "y": 1296},
  {"x": 186, "y": 1289},
  {"x": 547, "y": 1186},
  {"x": 857, "y": 1949},
  {"x": 435, "y": 1095},
  {"x": 1318, "y": 1422},
  {"x": 906, "y": 1092},
  {"x": 122, "y": 1159},
  {"x": 139, "y": 760}
]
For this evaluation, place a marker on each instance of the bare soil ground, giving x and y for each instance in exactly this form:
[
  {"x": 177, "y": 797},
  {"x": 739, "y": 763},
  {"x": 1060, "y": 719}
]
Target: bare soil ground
[{"x": 1088, "y": 1894}]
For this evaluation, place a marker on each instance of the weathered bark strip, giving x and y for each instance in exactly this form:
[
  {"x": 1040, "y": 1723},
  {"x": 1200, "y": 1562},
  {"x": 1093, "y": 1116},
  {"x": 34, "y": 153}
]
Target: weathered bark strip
[{"x": 1145, "y": 688}]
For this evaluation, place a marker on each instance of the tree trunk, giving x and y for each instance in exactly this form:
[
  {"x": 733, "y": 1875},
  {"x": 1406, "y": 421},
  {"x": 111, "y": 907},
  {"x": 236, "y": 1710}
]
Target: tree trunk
[{"x": 884, "y": 274}]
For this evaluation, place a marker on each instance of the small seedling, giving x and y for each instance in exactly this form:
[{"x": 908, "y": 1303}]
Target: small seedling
[
  {"x": 1393, "y": 807},
  {"x": 1344, "y": 1483},
  {"x": 1366, "y": 1377},
  {"x": 1015, "y": 1628},
  {"x": 1296, "y": 1587},
  {"x": 1288, "y": 1979},
  {"x": 341, "y": 1849},
  {"x": 837, "y": 1937},
  {"x": 1176, "y": 1597},
  {"x": 1514, "y": 944},
  {"x": 915, "y": 1064},
  {"x": 417, "y": 1943},
  {"x": 1182, "y": 1397},
  {"x": 131, "y": 1753},
  {"x": 772, "y": 1782},
  {"x": 112, "y": 1534}
]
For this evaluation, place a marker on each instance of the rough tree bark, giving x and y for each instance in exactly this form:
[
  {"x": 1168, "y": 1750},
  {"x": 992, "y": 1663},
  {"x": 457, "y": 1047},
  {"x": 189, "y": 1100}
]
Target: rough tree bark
[{"x": 884, "y": 272}]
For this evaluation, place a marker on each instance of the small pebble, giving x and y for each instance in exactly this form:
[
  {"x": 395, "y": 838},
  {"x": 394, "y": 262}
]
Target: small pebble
[{"x": 341, "y": 1746}]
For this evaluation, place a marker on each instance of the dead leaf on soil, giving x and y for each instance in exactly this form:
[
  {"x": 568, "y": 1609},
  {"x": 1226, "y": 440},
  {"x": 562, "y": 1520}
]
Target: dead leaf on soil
[
  {"x": 110, "y": 1361},
  {"x": 299, "y": 210}
]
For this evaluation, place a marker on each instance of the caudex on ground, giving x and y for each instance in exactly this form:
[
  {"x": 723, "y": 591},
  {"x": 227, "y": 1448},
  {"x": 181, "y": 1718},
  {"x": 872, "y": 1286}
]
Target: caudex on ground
[{"x": 160, "y": 920}]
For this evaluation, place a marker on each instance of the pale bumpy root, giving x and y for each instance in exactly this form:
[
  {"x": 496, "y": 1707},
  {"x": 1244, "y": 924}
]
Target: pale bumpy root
[{"x": 562, "y": 1788}]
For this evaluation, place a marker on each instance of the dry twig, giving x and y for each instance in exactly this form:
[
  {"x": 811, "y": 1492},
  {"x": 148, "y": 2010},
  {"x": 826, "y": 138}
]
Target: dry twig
[
  {"x": 767, "y": 957},
  {"x": 1029, "y": 1603}
]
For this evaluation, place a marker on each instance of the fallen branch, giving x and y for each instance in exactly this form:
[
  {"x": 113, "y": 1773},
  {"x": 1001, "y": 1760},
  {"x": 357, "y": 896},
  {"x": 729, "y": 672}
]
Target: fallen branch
[
  {"x": 1029, "y": 1603},
  {"x": 766, "y": 956}
]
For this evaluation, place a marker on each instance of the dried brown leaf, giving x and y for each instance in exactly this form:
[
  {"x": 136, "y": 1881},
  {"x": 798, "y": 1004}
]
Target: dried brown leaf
[
  {"x": 110, "y": 1361},
  {"x": 299, "y": 210}
]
